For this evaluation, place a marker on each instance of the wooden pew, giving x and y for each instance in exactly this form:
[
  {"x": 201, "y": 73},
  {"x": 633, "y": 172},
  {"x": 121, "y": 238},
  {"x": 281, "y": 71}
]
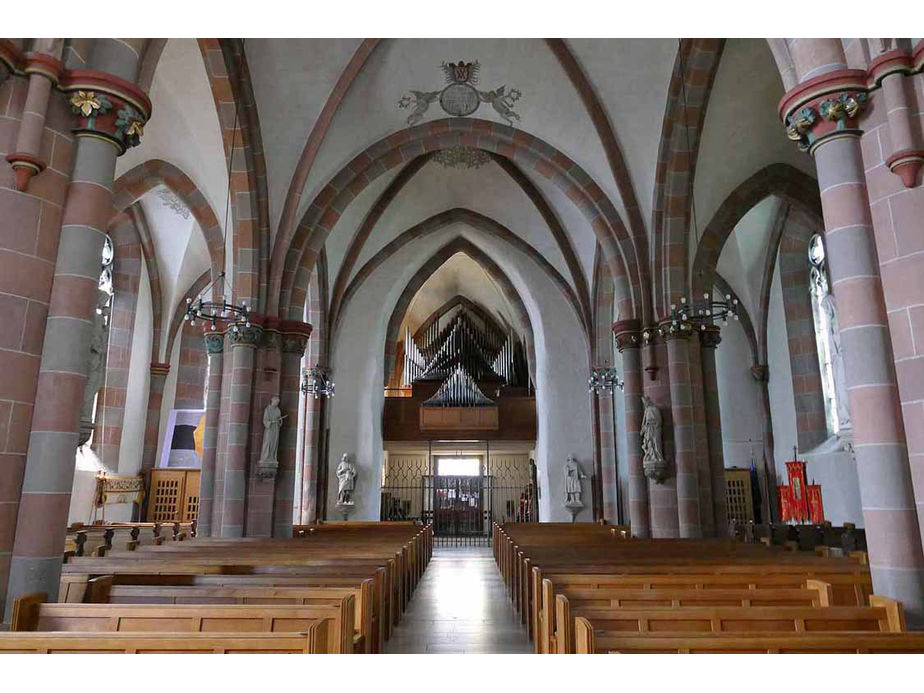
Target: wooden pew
[
  {"x": 887, "y": 617},
  {"x": 592, "y": 640},
  {"x": 102, "y": 591},
  {"x": 555, "y": 634},
  {"x": 311, "y": 640},
  {"x": 31, "y": 613}
]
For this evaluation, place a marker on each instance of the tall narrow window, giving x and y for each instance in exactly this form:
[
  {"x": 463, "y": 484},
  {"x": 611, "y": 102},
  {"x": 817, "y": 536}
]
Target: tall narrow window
[{"x": 828, "y": 339}]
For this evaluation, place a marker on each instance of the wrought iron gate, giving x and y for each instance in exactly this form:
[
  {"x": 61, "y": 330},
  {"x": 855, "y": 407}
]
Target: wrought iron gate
[{"x": 461, "y": 508}]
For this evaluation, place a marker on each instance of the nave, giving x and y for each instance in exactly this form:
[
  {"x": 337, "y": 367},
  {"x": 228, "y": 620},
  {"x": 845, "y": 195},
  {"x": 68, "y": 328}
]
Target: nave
[{"x": 460, "y": 607}]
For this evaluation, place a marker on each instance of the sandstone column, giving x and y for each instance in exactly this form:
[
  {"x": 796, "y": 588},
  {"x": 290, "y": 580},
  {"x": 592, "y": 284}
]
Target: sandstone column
[
  {"x": 678, "y": 366},
  {"x": 110, "y": 113},
  {"x": 821, "y": 115},
  {"x": 709, "y": 339},
  {"x": 628, "y": 341},
  {"x": 244, "y": 342},
  {"x": 214, "y": 346}
]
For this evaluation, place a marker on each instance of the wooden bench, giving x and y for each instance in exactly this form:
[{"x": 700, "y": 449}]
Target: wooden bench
[
  {"x": 102, "y": 591},
  {"x": 31, "y": 613},
  {"x": 555, "y": 623},
  {"x": 841, "y": 590},
  {"x": 311, "y": 640},
  {"x": 886, "y": 617},
  {"x": 592, "y": 640}
]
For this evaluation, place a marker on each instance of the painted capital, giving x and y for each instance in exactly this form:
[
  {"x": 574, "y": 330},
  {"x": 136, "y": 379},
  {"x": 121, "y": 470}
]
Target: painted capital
[
  {"x": 709, "y": 336},
  {"x": 214, "y": 342},
  {"x": 824, "y": 108},
  {"x": 106, "y": 107},
  {"x": 627, "y": 334},
  {"x": 295, "y": 336},
  {"x": 675, "y": 329},
  {"x": 246, "y": 336}
]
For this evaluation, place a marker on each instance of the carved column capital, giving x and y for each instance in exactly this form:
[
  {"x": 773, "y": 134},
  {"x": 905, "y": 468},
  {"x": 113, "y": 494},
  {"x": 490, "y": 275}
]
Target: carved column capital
[
  {"x": 824, "y": 108},
  {"x": 295, "y": 336},
  {"x": 628, "y": 334},
  {"x": 246, "y": 336},
  {"x": 675, "y": 329},
  {"x": 214, "y": 342},
  {"x": 106, "y": 107}
]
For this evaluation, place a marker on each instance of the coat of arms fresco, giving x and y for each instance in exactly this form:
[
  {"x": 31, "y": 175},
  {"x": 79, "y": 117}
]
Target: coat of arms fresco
[{"x": 460, "y": 97}]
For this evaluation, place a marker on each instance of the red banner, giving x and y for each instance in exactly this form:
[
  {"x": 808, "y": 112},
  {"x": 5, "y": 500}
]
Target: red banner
[
  {"x": 797, "y": 494},
  {"x": 816, "y": 507},
  {"x": 785, "y": 504}
]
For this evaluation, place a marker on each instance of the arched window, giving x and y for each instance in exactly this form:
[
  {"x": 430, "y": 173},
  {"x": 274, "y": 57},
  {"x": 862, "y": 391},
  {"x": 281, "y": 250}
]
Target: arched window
[{"x": 828, "y": 339}]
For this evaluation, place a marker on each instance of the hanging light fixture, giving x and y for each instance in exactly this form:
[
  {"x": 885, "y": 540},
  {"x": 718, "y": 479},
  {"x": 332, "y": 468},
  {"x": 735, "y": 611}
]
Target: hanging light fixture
[
  {"x": 703, "y": 312},
  {"x": 604, "y": 380},
  {"x": 211, "y": 312},
  {"x": 317, "y": 383}
]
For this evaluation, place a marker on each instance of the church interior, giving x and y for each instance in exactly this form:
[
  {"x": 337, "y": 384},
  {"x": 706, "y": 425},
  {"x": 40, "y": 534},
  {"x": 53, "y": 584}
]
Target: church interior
[{"x": 461, "y": 346}]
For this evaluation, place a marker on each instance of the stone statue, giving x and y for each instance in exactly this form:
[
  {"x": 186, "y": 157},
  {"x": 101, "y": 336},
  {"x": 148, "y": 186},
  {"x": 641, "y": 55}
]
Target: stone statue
[
  {"x": 573, "y": 476},
  {"x": 653, "y": 461},
  {"x": 96, "y": 364},
  {"x": 838, "y": 365},
  {"x": 346, "y": 481},
  {"x": 272, "y": 423}
]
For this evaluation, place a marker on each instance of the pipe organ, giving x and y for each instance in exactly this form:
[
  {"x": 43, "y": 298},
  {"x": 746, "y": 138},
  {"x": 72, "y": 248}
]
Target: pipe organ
[{"x": 465, "y": 355}]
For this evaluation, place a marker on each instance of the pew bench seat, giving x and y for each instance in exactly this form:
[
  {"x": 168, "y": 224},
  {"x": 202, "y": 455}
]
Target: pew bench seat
[{"x": 311, "y": 640}]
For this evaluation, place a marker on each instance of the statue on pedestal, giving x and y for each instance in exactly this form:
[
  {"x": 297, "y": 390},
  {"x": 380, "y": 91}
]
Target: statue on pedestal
[
  {"x": 573, "y": 491},
  {"x": 653, "y": 461},
  {"x": 346, "y": 481},
  {"x": 272, "y": 423}
]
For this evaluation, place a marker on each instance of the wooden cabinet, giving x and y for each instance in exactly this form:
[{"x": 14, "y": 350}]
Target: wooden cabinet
[{"x": 174, "y": 495}]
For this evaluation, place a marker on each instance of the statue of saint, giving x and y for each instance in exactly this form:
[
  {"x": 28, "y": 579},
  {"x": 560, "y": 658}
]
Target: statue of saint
[
  {"x": 272, "y": 422},
  {"x": 838, "y": 366},
  {"x": 346, "y": 480},
  {"x": 652, "y": 456},
  {"x": 573, "y": 476},
  {"x": 96, "y": 364}
]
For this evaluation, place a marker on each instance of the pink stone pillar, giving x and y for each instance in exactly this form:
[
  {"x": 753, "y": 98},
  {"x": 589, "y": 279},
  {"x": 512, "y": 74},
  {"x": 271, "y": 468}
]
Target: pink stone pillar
[
  {"x": 822, "y": 114},
  {"x": 701, "y": 441},
  {"x": 159, "y": 372},
  {"x": 662, "y": 497},
  {"x": 896, "y": 559},
  {"x": 243, "y": 343},
  {"x": 29, "y": 228},
  {"x": 214, "y": 346},
  {"x": 678, "y": 365},
  {"x": 49, "y": 472},
  {"x": 628, "y": 341},
  {"x": 709, "y": 339}
]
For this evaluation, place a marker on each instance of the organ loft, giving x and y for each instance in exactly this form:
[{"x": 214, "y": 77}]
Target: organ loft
[{"x": 461, "y": 346}]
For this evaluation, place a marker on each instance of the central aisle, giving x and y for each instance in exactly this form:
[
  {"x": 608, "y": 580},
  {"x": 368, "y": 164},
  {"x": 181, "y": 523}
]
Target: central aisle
[{"x": 460, "y": 607}]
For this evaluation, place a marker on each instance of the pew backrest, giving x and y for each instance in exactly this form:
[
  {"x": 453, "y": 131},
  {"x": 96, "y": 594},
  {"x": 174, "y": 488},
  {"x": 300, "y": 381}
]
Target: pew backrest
[{"x": 311, "y": 640}]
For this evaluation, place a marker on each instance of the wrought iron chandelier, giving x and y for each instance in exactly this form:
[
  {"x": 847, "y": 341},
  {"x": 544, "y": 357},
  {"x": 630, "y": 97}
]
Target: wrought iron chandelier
[
  {"x": 604, "y": 380},
  {"x": 317, "y": 383},
  {"x": 212, "y": 312},
  {"x": 703, "y": 312}
]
